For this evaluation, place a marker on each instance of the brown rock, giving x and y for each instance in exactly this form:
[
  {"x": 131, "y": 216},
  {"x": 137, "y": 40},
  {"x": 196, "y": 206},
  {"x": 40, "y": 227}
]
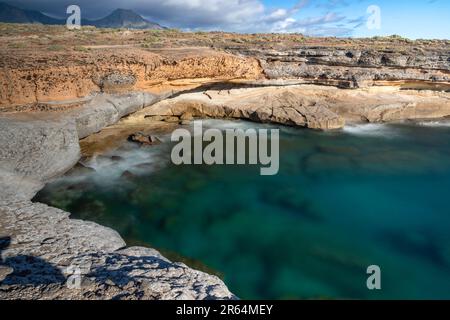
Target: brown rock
[
  {"x": 143, "y": 139},
  {"x": 171, "y": 119},
  {"x": 186, "y": 116},
  {"x": 308, "y": 106}
]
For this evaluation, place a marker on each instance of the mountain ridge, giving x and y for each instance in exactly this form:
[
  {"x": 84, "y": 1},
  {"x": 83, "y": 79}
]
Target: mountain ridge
[
  {"x": 119, "y": 18},
  {"x": 125, "y": 18}
]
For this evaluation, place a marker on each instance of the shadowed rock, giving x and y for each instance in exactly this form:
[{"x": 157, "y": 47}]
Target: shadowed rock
[
  {"x": 144, "y": 139},
  {"x": 37, "y": 252}
]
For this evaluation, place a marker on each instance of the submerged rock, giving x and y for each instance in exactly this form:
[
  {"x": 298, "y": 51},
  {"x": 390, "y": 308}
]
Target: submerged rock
[
  {"x": 145, "y": 166},
  {"x": 80, "y": 169},
  {"x": 116, "y": 158},
  {"x": 128, "y": 175}
]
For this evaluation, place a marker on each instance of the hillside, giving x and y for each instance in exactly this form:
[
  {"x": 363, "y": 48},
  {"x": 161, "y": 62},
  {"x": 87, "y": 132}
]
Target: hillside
[
  {"x": 11, "y": 14},
  {"x": 122, "y": 18},
  {"x": 119, "y": 18}
]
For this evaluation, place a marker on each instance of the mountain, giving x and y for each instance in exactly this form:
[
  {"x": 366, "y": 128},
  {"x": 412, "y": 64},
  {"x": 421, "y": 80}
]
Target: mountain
[
  {"x": 119, "y": 18},
  {"x": 122, "y": 18},
  {"x": 11, "y": 14}
]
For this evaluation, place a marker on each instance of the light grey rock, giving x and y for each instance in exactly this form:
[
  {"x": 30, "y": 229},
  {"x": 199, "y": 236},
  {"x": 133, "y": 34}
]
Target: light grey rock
[
  {"x": 96, "y": 115},
  {"x": 45, "y": 248},
  {"x": 42, "y": 249},
  {"x": 105, "y": 110},
  {"x": 49, "y": 233},
  {"x": 4, "y": 272},
  {"x": 32, "y": 152},
  {"x": 15, "y": 187},
  {"x": 142, "y": 252}
]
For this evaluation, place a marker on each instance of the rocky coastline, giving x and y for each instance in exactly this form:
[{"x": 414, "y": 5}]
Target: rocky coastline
[
  {"x": 47, "y": 108},
  {"x": 42, "y": 248}
]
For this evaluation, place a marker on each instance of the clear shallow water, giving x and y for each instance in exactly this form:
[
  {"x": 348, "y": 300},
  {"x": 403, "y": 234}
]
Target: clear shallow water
[{"x": 370, "y": 194}]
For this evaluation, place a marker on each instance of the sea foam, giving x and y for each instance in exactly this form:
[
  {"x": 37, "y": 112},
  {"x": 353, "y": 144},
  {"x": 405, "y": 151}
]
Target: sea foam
[
  {"x": 371, "y": 129},
  {"x": 443, "y": 123}
]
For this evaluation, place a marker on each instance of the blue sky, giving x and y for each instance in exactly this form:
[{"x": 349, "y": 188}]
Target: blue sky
[
  {"x": 412, "y": 19},
  {"x": 342, "y": 18}
]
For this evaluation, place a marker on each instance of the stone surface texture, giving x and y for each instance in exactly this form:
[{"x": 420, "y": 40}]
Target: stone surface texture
[{"x": 49, "y": 100}]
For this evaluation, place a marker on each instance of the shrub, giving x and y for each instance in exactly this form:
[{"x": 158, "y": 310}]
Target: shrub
[
  {"x": 17, "y": 45},
  {"x": 81, "y": 49},
  {"x": 55, "y": 47}
]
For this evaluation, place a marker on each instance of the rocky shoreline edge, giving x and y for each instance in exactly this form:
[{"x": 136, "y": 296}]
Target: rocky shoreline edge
[
  {"x": 44, "y": 252},
  {"x": 47, "y": 255},
  {"x": 51, "y": 99}
]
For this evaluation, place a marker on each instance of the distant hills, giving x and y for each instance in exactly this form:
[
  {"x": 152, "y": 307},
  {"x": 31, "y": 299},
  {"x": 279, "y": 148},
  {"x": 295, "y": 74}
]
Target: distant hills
[
  {"x": 12, "y": 14},
  {"x": 119, "y": 18}
]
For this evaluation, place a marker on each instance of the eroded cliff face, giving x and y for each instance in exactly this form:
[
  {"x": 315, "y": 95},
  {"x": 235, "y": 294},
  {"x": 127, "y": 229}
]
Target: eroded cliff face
[
  {"x": 308, "y": 106},
  {"x": 356, "y": 68},
  {"x": 65, "y": 76},
  {"x": 81, "y": 82},
  {"x": 37, "y": 75}
]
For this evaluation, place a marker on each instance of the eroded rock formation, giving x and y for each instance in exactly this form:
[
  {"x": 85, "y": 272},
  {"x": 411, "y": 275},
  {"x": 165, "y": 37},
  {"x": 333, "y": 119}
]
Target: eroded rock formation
[
  {"x": 356, "y": 67},
  {"x": 67, "y": 76},
  {"x": 41, "y": 248},
  {"x": 314, "y": 107},
  {"x": 51, "y": 99},
  {"x": 43, "y": 251}
]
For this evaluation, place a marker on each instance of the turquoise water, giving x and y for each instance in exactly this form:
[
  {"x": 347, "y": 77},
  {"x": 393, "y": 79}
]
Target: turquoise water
[{"x": 342, "y": 201}]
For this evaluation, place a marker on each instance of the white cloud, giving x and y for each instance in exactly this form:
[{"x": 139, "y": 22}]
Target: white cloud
[
  {"x": 228, "y": 15},
  {"x": 284, "y": 26},
  {"x": 277, "y": 14},
  {"x": 312, "y": 26},
  {"x": 328, "y": 18}
]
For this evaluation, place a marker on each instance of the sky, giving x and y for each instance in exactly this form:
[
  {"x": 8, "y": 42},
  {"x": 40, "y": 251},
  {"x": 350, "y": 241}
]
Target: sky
[{"x": 341, "y": 18}]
